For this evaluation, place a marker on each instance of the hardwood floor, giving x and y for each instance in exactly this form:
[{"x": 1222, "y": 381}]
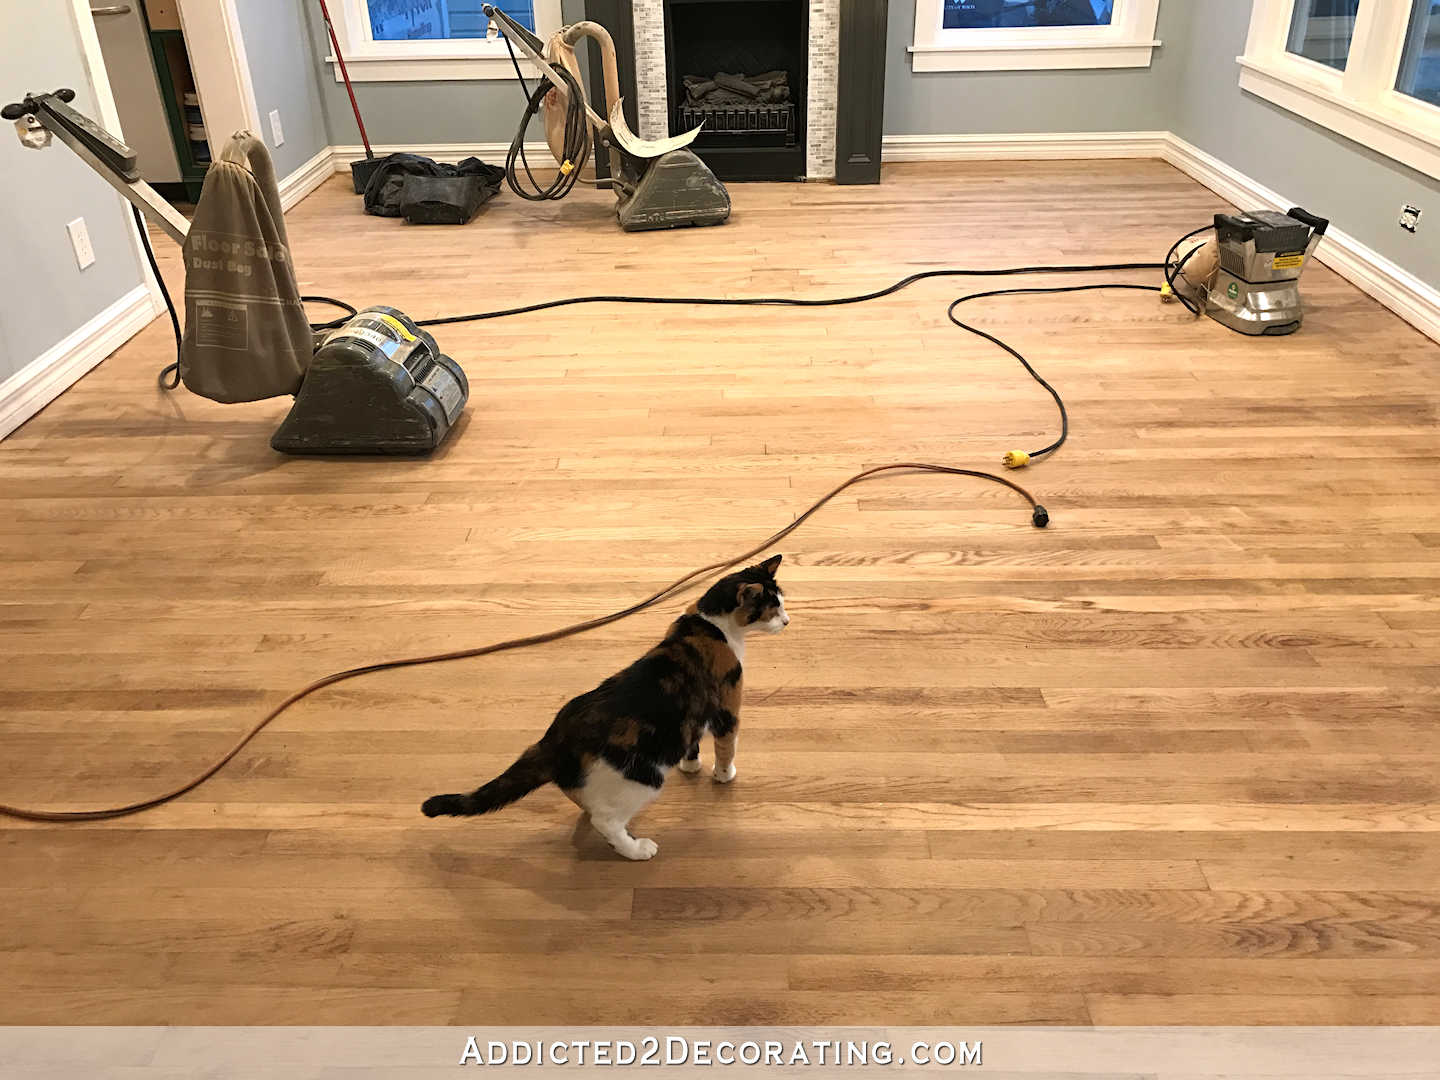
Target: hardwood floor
[{"x": 1173, "y": 760}]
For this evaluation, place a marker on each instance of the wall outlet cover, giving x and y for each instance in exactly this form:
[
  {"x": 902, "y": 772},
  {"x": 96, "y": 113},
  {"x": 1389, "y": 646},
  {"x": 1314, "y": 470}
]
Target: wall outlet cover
[
  {"x": 80, "y": 241},
  {"x": 1409, "y": 218},
  {"x": 276, "y": 131}
]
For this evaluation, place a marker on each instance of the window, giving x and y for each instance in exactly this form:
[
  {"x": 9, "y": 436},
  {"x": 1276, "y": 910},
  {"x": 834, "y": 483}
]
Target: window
[
  {"x": 412, "y": 20},
  {"x": 991, "y": 14},
  {"x": 1322, "y": 30},
  {"x": 1365, "y": 69},
  {"x": 1420, "y": 59},
  {"x": 1011, "y": 35},
  {"x": 407, "y": 40}
]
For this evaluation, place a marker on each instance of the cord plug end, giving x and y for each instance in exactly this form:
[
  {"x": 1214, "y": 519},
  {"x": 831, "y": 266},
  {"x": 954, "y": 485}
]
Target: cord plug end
[
  {"x": 1039, "y": 517},
  {"x": 1015, "y": 459},
  {"x": 1167, "y": 294}
]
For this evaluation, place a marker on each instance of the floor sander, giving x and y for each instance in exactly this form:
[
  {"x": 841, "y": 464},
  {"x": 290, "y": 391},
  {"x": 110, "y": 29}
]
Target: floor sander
[
  {"x": 1247, "y": 276},
  {"x": 373, "y": 383},
  {"x": 658, "y": 184}
]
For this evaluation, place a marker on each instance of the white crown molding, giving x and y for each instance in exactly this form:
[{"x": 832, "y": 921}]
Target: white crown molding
[{"x": 51, "y": 373}]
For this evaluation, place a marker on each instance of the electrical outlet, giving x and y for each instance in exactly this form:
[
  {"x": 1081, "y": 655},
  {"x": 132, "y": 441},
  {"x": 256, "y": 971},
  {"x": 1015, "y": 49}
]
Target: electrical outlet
[
  {"x": 80, "y": 241},
  {"x": 276, "y": 131},
  {"x": 1409, "y": 218}
]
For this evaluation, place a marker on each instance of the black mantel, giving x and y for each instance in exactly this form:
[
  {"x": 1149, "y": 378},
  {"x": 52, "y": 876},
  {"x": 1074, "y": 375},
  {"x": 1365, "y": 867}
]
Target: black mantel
[{"x": 860, "y": 96}]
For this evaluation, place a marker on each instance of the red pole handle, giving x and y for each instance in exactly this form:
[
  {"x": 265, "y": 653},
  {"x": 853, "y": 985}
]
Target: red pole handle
[{"x": 345, "y": 74}]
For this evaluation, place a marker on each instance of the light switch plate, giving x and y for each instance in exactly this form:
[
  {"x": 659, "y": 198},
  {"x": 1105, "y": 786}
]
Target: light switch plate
[{"x": 276, "y": 131}]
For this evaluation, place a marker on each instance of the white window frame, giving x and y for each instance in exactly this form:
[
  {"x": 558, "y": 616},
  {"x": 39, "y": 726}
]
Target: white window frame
[
  {"x": 1361, "y": 102},
  {"x": 1127, "y": 42},
  {"x": 369, "y": 60}
]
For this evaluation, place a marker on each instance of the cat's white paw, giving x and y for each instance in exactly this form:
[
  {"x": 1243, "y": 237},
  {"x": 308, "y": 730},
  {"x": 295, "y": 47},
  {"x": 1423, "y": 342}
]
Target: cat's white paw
[
  {"x": 641, "y": 849},
  {"x": 690, "y": 765},
  {"x": 725, "y": 775}
]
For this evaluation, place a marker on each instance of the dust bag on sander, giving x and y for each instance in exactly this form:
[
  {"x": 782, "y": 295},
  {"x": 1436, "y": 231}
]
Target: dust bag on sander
[{"x": 246, "y": 333}]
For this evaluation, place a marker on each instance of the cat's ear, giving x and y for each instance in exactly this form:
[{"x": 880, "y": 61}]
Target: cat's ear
[
  {"x": 749, "y": 591},
  {"x": 771, "y": 564}
]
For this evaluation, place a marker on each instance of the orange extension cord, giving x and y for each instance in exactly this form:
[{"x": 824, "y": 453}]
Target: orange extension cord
[{"x": 1039, "y": 517}]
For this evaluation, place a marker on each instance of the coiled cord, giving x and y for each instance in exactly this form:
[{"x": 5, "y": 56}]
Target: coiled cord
[{"x": 576, "y": 141}]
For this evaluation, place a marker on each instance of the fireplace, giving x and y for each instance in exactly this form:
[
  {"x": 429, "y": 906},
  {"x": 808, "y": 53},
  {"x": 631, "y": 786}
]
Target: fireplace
[
  {"x": 830, "y": 128},
  {"x": 739, "y": 67}
]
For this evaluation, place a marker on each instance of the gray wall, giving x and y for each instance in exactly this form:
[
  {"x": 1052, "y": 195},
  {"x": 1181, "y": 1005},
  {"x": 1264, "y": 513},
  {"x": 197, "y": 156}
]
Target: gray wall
[
  {"x": 989, "y": 102},
  {"x": 469, "y": 111},
  {"x": 1360, "y": 190},
  {"x": 285, "y": 73},
  {"x": 46, "y": 296}
]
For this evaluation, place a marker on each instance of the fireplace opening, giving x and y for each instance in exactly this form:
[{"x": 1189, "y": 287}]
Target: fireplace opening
[{"x": 739, "y": 67}]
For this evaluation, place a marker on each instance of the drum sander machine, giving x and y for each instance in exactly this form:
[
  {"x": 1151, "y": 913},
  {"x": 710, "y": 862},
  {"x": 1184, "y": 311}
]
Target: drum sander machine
[{"x": 371, "y": 383}]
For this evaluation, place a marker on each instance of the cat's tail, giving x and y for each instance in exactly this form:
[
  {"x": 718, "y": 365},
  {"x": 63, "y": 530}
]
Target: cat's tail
[{"x": 530, "y": 771}]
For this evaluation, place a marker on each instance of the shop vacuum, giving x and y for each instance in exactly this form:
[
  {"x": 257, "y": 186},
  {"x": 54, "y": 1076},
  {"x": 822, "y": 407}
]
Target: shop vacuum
[{"x": 372, "y": 383}]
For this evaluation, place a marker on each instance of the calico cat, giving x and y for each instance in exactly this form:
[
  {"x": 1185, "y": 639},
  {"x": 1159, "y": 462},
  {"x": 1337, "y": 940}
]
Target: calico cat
[{"x": 609, "y": 750}]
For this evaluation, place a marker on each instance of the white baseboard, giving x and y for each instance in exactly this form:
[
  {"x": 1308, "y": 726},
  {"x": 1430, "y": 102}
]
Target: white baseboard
[
  {"x": 307, "y": 178},
  {"x": 1415, "y": 301},
  {"x": 1041, "y": 146},
  {"x": 492, "y": 153},
  {"x": 53, "y": 372}
]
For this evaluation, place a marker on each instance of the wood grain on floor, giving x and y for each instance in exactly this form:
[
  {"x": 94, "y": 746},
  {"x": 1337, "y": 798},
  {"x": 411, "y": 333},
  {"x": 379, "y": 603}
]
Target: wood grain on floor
[{"x": 1173, "y": 760}]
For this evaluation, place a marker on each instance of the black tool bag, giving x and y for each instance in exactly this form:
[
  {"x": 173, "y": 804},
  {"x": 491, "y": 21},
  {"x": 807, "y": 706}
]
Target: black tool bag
[{"x": 428, "y": 192}]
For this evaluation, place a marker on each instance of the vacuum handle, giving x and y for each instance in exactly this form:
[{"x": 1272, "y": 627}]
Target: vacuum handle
[{"x": 1318, "y": 224}]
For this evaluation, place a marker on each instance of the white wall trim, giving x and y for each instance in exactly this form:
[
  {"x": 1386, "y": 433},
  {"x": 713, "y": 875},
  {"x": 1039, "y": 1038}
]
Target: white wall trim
[
  {"x": 1398, "y": 289},
  {"x": 1041, "y": 57},
  {"x": 307, "y": 178},
  {"x": 1404, "y": 129},
  {"x": 1127, "y": 41},
  {"x": 53, "y": 372},
  {"x": 495, "y": 65},
  {"x": 1035, "y": 147},
  {"x": 444, "y": 58},
  {"x": 222, "y": 70},
  {"x": 492, "y": 153}
]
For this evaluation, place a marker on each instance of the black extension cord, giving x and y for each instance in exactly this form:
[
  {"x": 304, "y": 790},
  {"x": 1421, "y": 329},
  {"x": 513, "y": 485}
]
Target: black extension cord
[
  {"x": 1170, "y": 268},
  {"x": 576, "y": 142},
  {"x": 889, "y": 290}
]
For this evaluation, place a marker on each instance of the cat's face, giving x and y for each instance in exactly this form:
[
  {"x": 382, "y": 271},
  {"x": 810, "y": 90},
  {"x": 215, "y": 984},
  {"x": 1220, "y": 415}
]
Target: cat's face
[{"x": 751, "y": 597}]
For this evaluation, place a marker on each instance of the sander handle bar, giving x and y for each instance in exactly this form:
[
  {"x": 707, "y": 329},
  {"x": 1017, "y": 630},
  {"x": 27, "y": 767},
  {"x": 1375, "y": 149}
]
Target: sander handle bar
[
  {"x": 114, "y": 161},
  {"x": 533, "y": 47}
]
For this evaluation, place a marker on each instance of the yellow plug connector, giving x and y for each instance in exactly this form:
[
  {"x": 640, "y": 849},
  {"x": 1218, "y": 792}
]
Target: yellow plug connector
[
  {"x": 567, "y": 167},
  {"x": 1015, "y": 459},
  {"x": 1167, "y": 294}
]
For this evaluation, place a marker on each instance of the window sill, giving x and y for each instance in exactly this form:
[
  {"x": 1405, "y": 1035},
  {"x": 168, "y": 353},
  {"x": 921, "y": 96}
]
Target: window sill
[
  {"x": 1034, "y": 56},
  {"x": 1410, "y": 134},
  {"x": 394, "y": 68}
]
